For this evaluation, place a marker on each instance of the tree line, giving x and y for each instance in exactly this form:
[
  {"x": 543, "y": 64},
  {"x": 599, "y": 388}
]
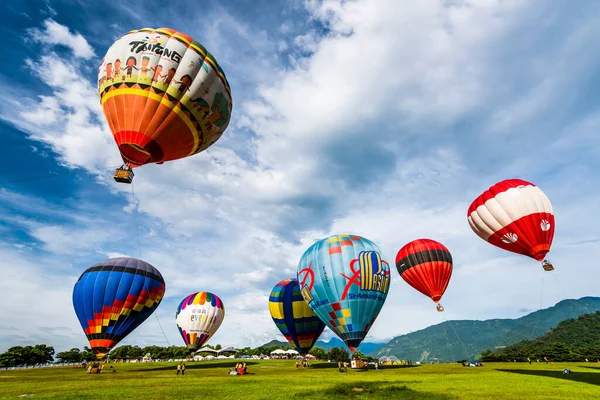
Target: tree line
[{"x": 42, "y": 354}]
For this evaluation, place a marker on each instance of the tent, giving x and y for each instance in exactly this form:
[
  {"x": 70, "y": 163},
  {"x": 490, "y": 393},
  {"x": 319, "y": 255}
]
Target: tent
[
  {"x": 227, "y": 350},
  {"x": 292, "y": 352},
  {"x": 208, "y": 350},
  {"x": 278, "y": 352}
]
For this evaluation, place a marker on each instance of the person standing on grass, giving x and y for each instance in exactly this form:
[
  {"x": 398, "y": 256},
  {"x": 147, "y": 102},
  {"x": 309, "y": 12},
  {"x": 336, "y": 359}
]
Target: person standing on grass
[
  {"x": 178, "y": 368},
  {"x": 529, "y": 360},
  {"x": 377, "y": 366},
  {"x": 183, "y": 369}
]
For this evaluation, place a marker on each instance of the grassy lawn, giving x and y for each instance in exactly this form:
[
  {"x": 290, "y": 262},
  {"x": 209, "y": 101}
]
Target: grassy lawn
[{"x": 272, "y": 379}]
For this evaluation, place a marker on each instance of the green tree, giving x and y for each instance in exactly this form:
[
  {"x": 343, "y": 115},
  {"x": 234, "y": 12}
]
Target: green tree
[
  {"x": 319, "y": 353},
  {"x": 338, "y": 354},
  {"x": 135, "y": 352},
  {"x": 70, "y": 356}
]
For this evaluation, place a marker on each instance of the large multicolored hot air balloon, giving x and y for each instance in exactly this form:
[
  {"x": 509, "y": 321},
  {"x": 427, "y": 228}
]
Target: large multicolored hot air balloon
[
  {"x": 198, "y": 317},
  {"x": 164, "y": 97},
  {"x": 114, "y": 297},
  {"x": 426, "y": 265},
  {"x": 345, "y": 281},
  {"x": 515, "y": 215},
  {"x": 294, "y": 318}
]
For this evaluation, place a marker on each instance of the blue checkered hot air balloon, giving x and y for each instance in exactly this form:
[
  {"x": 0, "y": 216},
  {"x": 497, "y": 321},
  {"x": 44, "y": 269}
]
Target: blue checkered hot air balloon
[
  {"x": 294, "y": 318},
  {"x": 345, "y": 281}
]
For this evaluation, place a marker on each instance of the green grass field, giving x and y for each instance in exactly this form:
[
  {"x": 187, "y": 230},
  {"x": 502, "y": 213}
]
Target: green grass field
[{"x": 271, "y": 379}]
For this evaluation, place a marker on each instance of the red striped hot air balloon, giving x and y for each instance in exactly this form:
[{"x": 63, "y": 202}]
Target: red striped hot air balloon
[
  {"x": 164, "y": 97},
  {"x": 516, "y": 216},
  {"x": 426, "y": 265}
]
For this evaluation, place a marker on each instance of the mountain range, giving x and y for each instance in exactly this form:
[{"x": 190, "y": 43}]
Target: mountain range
[{"x": 466, "y": 339}]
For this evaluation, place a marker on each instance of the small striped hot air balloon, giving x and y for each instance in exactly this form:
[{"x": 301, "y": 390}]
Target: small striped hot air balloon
[
  {"x": 198, "y": 317},
  {"x": 516, "y": 216},
  {"x": 426, "y": 265},
  {"x": 113, "y": 297},
  {"x": 164, "y": 97},
  {"x": 294, "y": 318}
]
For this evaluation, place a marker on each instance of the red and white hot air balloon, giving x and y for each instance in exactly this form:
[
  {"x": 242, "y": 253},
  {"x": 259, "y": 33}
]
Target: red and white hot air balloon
[{"x": 516, "y": 216}]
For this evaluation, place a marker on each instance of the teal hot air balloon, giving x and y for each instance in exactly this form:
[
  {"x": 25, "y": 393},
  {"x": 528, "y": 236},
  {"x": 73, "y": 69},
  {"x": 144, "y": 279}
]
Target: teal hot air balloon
[
  {"x": 294, "y": 318},
  {"x": 345, "y": 281}
]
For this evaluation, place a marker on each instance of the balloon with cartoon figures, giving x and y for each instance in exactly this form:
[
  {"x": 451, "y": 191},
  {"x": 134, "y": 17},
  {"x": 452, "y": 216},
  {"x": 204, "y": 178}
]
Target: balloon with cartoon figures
[
  {"x": 345, "y": 281},
  {"x": 516, "y": 216},
  {"x": 198, "y": 317},
  {"x": 164, "y": 97}
]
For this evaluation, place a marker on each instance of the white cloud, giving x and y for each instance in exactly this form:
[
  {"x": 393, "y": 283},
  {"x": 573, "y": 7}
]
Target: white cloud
[{"x": 57, "y": 34}]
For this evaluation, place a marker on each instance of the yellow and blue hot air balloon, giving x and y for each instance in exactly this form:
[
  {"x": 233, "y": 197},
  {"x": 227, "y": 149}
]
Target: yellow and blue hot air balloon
[
  {"x": 114, "y": 297},
  {"x": 294, "y": 318},
  {"x": 345, "y": 281}
]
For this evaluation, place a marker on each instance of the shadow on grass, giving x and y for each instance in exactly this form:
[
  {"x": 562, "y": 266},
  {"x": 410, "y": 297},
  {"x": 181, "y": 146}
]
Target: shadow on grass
[
  {"x": 369, "y": 390},
  {"x": 371, "y": 368},
  {"x": 195, "y": 365},
  {"x": 594, "y": 368},
  {"x": 593, "y": 378}
]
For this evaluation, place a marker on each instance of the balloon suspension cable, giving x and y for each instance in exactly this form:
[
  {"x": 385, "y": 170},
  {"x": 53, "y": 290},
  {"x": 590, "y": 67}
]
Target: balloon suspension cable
[
  {"x": 460, "y": 341},
  {"x": 137, "y": 235},
  {"x": 448, "y": 341}
]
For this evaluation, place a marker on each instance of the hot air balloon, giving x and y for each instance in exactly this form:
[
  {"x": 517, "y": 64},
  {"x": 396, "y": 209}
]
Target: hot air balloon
[
  {"x": 294, "y": 318},
  {"x": 114, "y": 297},
  {"x": 164, "y": 97},
  {"x": 345, "y": 281},
  {"x": 515, "y": 215},
  {"x": 426, "y": 265},
  {"x": 198, "y": 317}
]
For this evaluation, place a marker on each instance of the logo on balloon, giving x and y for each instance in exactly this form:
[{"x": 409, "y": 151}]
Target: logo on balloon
[
  {"x": 545, "y": 225},
  {"x": 510, "y": 238},
  {"x": 370, "y": 275},
  {"x": 138, "y": 46}
]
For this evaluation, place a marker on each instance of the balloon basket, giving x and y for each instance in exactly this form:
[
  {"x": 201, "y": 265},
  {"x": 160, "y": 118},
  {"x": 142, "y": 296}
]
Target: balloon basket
[
  {"x": 547, "y": 266},
  {"x": 124, "y": 174},
  {"x": 439, "y": 308}
]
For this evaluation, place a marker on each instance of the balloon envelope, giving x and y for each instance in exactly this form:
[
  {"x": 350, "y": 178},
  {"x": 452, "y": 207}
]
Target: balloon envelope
[
  {"x": 114, "y": 297},
  {"x": 294, "y": 318},
  {"x": 345, "y": 281},
  {"x": 426, "y": 265},
  {"x": 163, "y": 95},
  {"x": 198, "y": 317},
  {"x": 516, "y": 216}
]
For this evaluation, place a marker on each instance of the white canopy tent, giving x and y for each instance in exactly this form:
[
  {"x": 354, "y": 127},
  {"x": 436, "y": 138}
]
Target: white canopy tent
[
  {"x": 227, "y": 350},
  {"x": 277, "y": 352},
  {"x": 207, "y": 350},
  {"x": 292, "y": 352}
]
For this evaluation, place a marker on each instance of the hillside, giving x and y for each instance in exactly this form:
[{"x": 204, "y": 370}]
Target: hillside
[
  {"x": 572, "y": 339},
  {"x": 465, "y": 339}
]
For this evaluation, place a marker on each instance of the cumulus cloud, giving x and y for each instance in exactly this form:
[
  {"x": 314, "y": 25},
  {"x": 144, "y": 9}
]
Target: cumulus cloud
[{"x": 54, "y": 33}]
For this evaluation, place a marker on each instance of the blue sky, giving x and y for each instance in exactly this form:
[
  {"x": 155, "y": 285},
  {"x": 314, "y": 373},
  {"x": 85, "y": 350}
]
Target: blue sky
[{"x": 375, "y": 117}]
